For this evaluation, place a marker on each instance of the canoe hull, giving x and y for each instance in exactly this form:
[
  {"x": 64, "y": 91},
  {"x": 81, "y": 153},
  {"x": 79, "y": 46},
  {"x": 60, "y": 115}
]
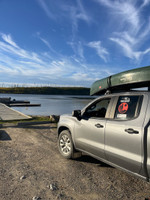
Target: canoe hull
[{"x": 127, "y": 80}]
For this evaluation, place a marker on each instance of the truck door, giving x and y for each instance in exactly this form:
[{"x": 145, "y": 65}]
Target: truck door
[
  {"x": 124, "y": 133},
  {"x": 89, "y": 131}
]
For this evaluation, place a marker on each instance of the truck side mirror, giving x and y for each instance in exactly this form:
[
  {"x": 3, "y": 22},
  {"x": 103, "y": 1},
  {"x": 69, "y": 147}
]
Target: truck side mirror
[{"x": 77, "y": 114}]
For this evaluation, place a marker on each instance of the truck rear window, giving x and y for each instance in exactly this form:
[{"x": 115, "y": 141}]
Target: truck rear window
[{"x": 127, "y": 107}]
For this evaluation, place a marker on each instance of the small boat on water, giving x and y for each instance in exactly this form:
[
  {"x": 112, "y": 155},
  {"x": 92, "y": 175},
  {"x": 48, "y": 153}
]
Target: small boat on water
[{"x": 124, "y": 81}]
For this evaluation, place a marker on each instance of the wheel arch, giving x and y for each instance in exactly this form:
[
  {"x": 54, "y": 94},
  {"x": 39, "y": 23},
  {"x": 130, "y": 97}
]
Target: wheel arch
[
  {"x": 75, "y": 152},
  {"x": 62, "y": 128}
]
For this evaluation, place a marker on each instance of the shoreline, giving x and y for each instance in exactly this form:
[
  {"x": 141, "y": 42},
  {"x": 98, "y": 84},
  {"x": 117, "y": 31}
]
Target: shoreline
[{"x": 36, "y": 119}]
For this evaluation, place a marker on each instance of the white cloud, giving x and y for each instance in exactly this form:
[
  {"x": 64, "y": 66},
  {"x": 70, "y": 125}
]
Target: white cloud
[
  {"x": 72, "y": 13},
  {"x": 12, "y": 49},
  {"x": 21, "y": 62},
  {"x": 124, "y": 11},
  {"x": 145, "y": 3},
  {"x": 80, "y": 77},
  {"x": 77, "y": 14},
  {"x": 82, "y": 13},
  {"x": 45, "y": 7},
  {"x": 133, "y": 28},
  {"x": 101, "y": 51},
  {"x": 9, "y": 40},
  {"x": 62, "y": 10},
  {"x": 131, "y": 43},
  {"x": 144, "y": 35},
  {"x": 78, "y": 49},
  {"x": 46, "y": 42},
  {"x": 127, "y": 48},
  {"x": 21, "y": 65}
]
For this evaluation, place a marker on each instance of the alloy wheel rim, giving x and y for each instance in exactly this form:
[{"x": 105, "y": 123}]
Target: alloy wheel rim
[{"x": 65, "y": 144}]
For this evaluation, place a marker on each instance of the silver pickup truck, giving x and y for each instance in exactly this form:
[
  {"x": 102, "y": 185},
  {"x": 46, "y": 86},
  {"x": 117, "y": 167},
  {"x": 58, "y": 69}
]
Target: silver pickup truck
[{"x": 114, "y": 128}]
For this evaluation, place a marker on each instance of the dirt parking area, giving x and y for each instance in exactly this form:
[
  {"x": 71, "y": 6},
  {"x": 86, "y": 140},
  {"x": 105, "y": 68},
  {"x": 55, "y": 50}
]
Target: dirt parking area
[{"x": 31, "y": 168}]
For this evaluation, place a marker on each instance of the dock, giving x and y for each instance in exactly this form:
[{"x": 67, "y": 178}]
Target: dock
[
  {"x": 23, "y": 105},
  {"x": 16, "y": 103},
  {"x": 8, "y": 114}
]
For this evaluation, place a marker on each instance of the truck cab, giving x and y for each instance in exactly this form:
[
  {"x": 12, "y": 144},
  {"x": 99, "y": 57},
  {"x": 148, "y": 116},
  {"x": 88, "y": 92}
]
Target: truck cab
[{"x": 113, "y": 128}]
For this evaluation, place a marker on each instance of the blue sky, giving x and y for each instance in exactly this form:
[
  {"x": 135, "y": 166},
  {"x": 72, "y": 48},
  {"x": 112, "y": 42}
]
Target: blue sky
[{"x": 71, "y": 42}]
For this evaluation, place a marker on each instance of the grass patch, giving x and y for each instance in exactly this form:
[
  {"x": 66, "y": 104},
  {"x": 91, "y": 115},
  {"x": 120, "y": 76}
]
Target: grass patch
[{"x": 33, "y": 119}]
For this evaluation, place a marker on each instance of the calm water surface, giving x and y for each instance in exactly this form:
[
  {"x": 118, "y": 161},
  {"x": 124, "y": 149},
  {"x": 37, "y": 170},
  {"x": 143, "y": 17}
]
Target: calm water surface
[{"x": 50, "y": 104}]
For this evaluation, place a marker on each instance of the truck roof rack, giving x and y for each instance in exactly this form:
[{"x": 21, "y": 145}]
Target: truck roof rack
[{"x": 124, "y": 81}]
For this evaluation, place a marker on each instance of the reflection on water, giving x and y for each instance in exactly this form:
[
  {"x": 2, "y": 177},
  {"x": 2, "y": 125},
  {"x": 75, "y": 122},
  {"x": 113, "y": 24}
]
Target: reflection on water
[{"x": 50, "y": 104}]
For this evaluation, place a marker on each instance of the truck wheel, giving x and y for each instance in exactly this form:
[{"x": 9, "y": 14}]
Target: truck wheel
[{"x": 65, "y": 145}]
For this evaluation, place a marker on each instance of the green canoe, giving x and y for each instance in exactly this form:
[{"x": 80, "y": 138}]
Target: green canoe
[{"x": 127, "y": 80}]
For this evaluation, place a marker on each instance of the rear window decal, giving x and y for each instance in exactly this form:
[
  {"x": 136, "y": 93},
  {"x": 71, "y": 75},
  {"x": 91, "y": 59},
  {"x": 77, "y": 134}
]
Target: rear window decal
[
  {"x": 123, "y": 108},
  {"x": 125, "y": 99},
  {"x": 123, "y": 116}
]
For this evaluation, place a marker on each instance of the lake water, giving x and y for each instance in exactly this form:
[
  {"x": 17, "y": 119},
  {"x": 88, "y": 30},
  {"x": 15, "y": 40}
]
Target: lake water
[{"x": 50, "y": 104}]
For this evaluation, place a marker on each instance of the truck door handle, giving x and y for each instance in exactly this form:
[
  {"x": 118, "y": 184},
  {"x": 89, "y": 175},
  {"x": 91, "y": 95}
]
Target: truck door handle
[
  {"x": 99, "y": 125},
  {"x": 131, "y": 131}
]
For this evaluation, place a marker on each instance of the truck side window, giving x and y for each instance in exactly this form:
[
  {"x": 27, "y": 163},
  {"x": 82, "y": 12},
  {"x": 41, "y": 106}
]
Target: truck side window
[
  {"x": 127, "y": 107},
  {"x": 98, "y": 109}
]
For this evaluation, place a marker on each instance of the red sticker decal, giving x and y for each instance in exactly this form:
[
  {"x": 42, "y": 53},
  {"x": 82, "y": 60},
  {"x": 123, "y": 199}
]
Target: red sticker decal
[{"x": 123, "y": 108}]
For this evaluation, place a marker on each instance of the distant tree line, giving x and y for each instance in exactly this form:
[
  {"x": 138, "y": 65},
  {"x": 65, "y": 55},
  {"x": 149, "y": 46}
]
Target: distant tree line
[{"x": 47, "y": 90}]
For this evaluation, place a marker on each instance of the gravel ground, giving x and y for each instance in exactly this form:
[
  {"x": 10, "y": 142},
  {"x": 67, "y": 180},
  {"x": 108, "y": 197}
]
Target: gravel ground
[{"x": 31, "y": 168}]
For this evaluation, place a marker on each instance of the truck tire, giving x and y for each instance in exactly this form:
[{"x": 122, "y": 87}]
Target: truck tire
[{"x": 66, "y": 147}]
